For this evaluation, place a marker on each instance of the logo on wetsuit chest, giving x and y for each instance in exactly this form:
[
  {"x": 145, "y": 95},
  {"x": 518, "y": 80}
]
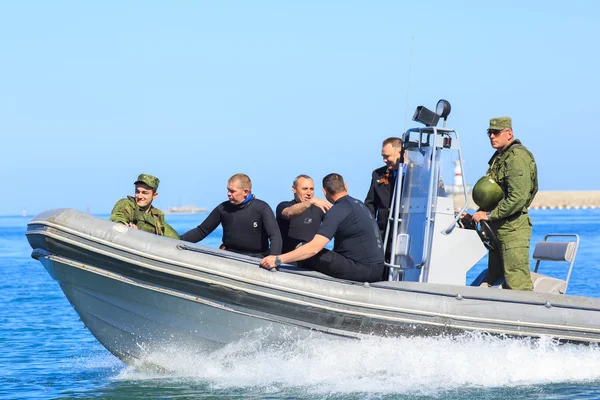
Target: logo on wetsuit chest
[
  {"x": 255, "y": 224},
  {"x": 307, "y": 220}
]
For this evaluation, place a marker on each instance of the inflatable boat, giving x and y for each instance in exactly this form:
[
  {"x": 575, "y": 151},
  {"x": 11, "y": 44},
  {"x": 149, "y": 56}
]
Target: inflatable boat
[{"x": 138, "y": 293}]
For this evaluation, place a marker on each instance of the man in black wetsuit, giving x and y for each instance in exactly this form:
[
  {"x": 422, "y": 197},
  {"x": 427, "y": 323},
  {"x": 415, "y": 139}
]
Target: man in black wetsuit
[
  {"x": 248, "y": 223},
  {"x": 300, "y": 219},
  {"x": 357, "y": 252}
]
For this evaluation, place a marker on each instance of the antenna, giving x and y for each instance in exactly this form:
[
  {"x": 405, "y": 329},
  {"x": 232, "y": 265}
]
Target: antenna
[{"x": 408, "y": 83}]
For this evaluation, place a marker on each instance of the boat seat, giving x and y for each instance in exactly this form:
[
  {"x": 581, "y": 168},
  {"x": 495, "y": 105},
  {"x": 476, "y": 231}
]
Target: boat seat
[
  {"x": 541, "y": 283},
  {"x": 548, "y": 284},
  {"x": 556, "y": 251},
  {"x": 546, "y": 250}
]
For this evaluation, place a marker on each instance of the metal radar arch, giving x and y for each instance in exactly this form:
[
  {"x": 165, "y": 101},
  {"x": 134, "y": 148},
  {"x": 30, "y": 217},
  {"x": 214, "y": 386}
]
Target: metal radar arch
[{"x": 425, "y": 246}]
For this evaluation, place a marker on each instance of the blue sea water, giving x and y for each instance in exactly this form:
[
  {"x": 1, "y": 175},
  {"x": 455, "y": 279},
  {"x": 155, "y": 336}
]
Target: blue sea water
[{"x": 45, "y": 351}]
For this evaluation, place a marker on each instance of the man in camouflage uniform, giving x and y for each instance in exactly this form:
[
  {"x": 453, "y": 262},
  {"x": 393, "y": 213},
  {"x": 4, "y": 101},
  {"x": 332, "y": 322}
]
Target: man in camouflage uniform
[
  {"x": 513, "y": 168},
  {"x": 137, "y": 212}
]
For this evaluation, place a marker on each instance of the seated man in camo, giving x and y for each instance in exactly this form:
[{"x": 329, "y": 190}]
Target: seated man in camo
[{"x": 139, "y": 213}]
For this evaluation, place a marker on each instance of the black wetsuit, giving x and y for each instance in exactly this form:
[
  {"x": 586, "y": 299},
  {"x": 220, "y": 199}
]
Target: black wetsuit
[
  {"x": 357, "y": 250},
  {"x": 300, "y": 228},
  {"x": 247, "y": 228}
]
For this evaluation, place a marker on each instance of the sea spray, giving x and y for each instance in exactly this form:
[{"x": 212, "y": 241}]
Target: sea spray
[{"x": 429, "y": 366}]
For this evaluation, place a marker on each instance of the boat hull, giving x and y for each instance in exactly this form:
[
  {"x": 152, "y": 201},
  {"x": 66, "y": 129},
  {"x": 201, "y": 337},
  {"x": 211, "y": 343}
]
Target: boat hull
[
  {"x": 134, "y": 320},
  {"x": 139, "y": 293}
]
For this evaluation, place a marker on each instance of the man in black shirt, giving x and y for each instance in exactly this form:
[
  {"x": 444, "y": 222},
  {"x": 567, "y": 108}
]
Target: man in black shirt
[
  {"x": 248, "y": 223},
  {"x": 299, "y": 219},
  {"x": 357, "y": 251},
  {"x": 383, "y": 181}
]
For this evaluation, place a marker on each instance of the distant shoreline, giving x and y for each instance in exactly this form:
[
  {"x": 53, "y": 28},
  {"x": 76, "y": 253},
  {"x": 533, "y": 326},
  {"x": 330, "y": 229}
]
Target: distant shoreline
[
  {"x": 544, "y": 200},
  {"x": 550, "y": 200}
]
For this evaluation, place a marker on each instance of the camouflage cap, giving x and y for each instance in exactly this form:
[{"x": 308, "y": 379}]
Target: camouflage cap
[
  {"x": 149, "y": 180},
  {"x": 500, "y": 123}
]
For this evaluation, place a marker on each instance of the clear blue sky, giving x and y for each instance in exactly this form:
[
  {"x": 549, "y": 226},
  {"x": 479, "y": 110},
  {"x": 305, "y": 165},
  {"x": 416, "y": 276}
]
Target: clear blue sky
[{"x": 94, "y": 93}]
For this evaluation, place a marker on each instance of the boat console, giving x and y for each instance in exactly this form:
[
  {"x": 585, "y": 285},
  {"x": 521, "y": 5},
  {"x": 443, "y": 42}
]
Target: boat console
[{"x": 426, "y": 243}]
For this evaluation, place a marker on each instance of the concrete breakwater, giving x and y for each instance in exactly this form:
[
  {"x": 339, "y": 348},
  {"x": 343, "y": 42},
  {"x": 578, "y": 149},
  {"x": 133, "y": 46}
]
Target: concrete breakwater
[{"x": 553, "y": 200}]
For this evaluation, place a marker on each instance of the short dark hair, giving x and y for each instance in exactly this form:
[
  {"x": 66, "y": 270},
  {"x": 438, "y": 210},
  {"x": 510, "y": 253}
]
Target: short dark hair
[
  {"x": 334, "y": 183},
  {"x": 299, "y": 177},
  {"x": 394, "y": 141}
]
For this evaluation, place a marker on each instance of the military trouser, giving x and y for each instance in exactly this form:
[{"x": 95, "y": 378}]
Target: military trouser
[{"x": 512, "y": 259}]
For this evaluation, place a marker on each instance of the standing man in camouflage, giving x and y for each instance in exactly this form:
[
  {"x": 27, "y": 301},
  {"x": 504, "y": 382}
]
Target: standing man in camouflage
[
  {"x": 139, "y": 213},
  {"x": 513, "y": 168}
]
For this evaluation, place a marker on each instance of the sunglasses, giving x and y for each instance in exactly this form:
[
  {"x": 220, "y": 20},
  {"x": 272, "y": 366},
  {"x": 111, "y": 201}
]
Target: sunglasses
[{"x": 496, "y": 132}]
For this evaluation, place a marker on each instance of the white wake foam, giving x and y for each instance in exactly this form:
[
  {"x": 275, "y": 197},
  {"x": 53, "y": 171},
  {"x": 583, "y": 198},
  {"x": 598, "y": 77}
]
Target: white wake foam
[{"x": 375, "y": 365}]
